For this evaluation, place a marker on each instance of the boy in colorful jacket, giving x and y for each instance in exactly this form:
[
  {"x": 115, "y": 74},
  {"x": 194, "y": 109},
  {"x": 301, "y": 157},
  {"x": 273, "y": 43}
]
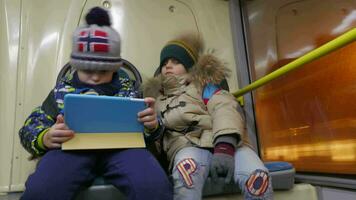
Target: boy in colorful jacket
[
  {"x": 204, "y": 132},
  {"x": 61, "y": 174}
]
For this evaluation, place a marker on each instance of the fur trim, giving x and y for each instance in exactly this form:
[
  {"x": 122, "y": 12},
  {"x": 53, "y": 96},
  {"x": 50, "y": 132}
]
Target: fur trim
[
  {"x": 194, "y": 41},
  {"x": 152, "y": 87},
  {"x": 209, "y": 69}
]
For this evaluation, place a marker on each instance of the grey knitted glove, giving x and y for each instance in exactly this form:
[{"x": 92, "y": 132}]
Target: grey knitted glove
[{"x": 223, "y": 162}]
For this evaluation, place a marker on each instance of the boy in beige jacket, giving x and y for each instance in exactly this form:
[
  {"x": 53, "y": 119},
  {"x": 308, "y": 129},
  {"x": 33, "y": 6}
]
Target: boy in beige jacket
[{"x": 204, "y": 132}]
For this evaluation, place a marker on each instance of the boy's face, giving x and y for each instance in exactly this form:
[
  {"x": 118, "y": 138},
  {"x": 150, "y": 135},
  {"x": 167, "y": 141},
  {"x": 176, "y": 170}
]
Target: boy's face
[
  {"x": 173, "y": 67},
  {"x": 95, "y": 77}
]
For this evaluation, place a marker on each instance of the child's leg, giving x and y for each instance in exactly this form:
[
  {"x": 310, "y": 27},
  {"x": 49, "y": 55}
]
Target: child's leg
[
  {"x": 137, "y": 174},
  {"x": 251, "y": 175},
  {"x": 59, "y": 175},
  {"x": 190, "y": 170}
]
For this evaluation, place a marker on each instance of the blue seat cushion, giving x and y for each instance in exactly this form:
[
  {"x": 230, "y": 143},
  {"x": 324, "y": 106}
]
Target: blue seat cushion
[
  {"x": 278, "y": 166},
  {"x": 282, "y": 174}
]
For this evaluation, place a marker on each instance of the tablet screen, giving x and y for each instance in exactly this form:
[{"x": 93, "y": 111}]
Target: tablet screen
[{"x": 102, "y": 114}]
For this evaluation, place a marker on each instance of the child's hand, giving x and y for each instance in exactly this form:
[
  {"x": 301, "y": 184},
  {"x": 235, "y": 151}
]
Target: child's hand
[
  {"x": 222, "y": 162},
  {"x": 57, "y": 134},
  {"x": 148, "y": 116}
]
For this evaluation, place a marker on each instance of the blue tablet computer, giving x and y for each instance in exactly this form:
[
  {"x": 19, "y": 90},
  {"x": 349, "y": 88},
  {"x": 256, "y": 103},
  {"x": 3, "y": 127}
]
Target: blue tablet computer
[{"x": 103, "y": 122}]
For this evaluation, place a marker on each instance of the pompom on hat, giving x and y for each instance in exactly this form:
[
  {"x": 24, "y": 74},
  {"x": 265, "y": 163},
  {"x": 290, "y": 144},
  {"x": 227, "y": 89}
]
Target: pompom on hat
[{"x": 96, "y": 46}]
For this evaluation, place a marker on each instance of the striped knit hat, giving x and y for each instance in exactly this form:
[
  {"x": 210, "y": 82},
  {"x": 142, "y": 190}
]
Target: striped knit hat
[
  {"x": 185, "y": 48},
  {"x": 96, "y": 46}
]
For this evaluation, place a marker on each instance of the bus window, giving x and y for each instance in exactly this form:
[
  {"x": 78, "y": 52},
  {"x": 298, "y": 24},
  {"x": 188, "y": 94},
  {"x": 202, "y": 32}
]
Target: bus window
[{"x": 307, "y": 117}]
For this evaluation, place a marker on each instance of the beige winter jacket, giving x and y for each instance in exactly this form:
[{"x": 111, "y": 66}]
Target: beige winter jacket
[{"x": 188, "y": 121}]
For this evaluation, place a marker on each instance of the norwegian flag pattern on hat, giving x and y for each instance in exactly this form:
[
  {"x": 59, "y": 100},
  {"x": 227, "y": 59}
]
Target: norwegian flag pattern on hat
[{"x": 93, "y": 41}]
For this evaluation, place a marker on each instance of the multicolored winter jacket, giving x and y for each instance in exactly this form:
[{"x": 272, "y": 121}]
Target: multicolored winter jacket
[{"x": 43, "y": 117}]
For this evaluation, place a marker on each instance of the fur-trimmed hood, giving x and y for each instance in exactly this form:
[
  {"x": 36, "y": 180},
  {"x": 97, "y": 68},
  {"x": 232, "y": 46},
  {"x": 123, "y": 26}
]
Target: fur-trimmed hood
[{"x": 208, "y": 69}]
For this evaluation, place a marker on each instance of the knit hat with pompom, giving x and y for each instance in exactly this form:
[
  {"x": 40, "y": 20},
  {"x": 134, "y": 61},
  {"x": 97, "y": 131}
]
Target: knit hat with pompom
[
  {"x": 185, "y": 48},
  {"x": 96, "y": 46}
]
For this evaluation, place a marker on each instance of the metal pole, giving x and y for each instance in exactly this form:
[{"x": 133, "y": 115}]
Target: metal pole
[{"x": 333, "y": 45}]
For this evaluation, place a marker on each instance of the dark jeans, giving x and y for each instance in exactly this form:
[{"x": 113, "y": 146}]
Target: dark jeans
[{"x": 61, "y": 174}]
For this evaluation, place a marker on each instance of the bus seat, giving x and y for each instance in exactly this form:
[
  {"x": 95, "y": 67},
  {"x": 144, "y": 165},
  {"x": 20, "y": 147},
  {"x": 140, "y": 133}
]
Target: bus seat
[
  {"x": 282, "y": 174},
  {"x": 100, "y": 190}
]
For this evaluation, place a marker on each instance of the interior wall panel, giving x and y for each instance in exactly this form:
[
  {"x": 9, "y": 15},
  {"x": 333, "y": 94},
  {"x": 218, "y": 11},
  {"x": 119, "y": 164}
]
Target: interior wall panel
[
  {"x": 9, "y": 35},
  {"x": 45, "y": 32}
]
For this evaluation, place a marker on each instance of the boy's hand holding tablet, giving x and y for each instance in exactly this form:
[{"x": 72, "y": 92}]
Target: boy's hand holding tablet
[{"x": 104, "y": 122}]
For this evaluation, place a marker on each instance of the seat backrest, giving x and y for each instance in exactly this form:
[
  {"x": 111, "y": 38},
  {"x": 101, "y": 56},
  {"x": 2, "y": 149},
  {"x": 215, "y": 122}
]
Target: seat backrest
[{"x": 127, "y": 70}]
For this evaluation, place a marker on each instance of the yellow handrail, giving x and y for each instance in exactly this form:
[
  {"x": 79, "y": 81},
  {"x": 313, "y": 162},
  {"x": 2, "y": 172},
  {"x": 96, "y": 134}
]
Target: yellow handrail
[{"x": 333, "y": 45}]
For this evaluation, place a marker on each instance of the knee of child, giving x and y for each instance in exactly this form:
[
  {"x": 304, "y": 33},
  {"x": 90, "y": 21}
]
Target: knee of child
[
  {"x": 257, "y": 185},
  {"x": 189, "y": 174},
  {"x": 154, "y": 182}
]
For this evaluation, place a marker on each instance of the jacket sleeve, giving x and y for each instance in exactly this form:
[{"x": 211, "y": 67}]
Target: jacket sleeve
[
  {"x": 155, "y": 134},
  {"x": 33, "y": 130},
  {"x": 128, "y": 89},
  {"x": 226, "y": 119}
]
